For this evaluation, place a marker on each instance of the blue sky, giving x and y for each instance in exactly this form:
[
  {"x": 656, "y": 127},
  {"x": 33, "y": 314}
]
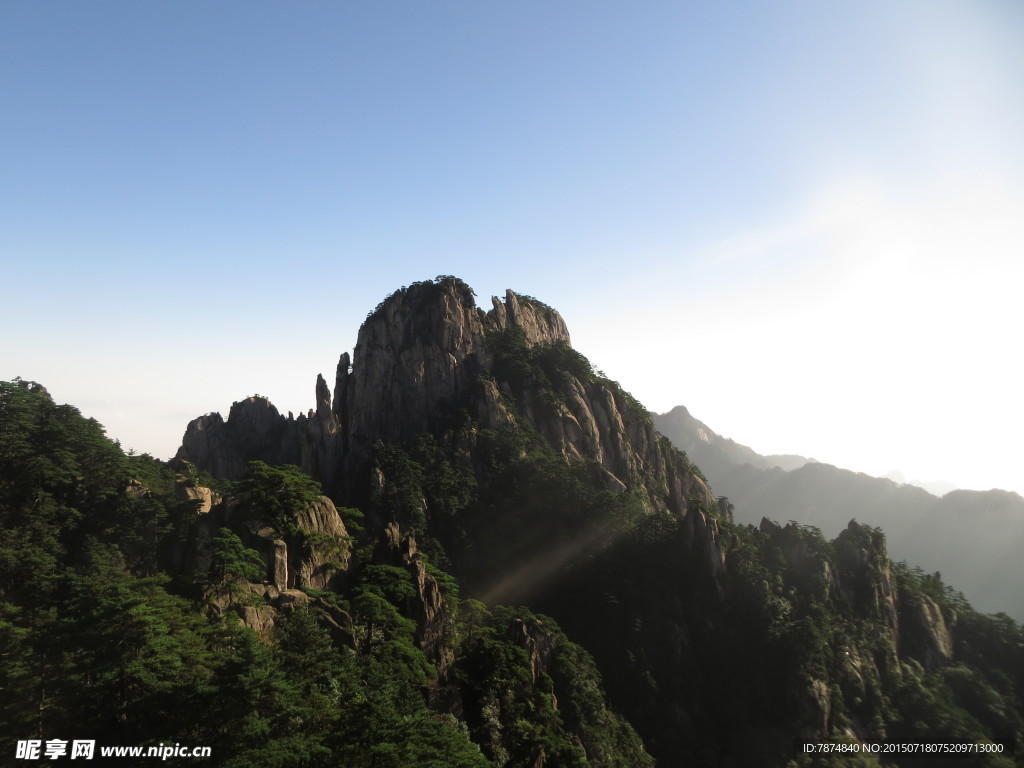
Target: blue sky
[{"x": 799, "y": 219}]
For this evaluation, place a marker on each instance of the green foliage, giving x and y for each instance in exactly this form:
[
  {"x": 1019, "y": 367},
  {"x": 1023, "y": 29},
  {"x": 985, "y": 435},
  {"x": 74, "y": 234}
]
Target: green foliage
[
  {"x": 110, "y": 654},
  {"x": 510, "y": 703},
  {"x": 558, "y": 358},
  {"x": 19, "y": 672},
  {"x": 305, "y": 702},
  {"x": 382, "y": 631},
  {"x": 459, "y": 286},
  {"x": 546, "y": 310},
  {"x": 90, "y": 644},
  {"x": 384, "y": 722},
  {"x": 51, "y": 450},
  {"x": 354, "y": 519},
  {"x": 447, "y": 584},
  {"x": 232, "y": 563},
  {"x": 55, "y": 467},
  {"x": 563, "y": 512},
  {"x": 543, "y": 369},
  {"x": 609, "y": 740},
  {"x": 427, "y": 291},
  {"x": 501, "y": 701},
  {"x": 276, "y": 494},
  {"x": 678, "y": 459},
  {"x": 390, "y": 582},
  {"x": 132, "y": 646},
  {"x": 425, "y": 487}
]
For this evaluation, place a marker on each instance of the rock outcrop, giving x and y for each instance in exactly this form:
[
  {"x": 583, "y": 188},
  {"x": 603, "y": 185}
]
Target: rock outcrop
[
  {"x": 540, "y": 323},
  {"x": 866, "y": 575},
  {"x": 262, "y": 606},
  {"x": 427, "y": 607},
  {"x": 424, "y": 356},
  {"x": 254, "y": 430},
  {"x": 531, "y": 636},
  {"x": 186, "y": 490},
  {"x": 418, "y": 355},
  {"x": 927, "y": 631},
  {"x": 317, "y": 555},
  {"x": 313, "y": 557}
]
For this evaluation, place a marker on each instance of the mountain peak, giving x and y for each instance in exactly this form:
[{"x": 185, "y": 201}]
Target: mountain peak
[
  {"x": 428, "y": 358},
  {"x": 540, "y": 323}
]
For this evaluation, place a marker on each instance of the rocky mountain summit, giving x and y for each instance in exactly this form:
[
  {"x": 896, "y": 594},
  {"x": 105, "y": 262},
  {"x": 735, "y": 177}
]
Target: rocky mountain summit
[
  {"x": 419, "y": 355},
  {"x": 428, "y": 361},
  {"x": 714, "y": 453}
]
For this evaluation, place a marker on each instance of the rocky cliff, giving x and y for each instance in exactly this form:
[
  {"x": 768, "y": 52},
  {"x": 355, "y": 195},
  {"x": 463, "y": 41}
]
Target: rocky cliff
[
  {"x": 426, "y": 360},
  {"x": 314, "y": 554},
  {"x": 418, "y": 356}
]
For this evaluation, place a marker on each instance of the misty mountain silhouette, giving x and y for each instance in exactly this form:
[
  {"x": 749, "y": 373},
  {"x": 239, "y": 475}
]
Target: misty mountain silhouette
[{"x": 972, "y": 537}]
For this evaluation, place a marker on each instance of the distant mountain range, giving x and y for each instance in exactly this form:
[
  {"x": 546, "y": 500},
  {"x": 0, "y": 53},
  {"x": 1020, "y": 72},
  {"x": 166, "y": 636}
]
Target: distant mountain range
[
  {"x": 973, "y": 537},
  {"x": 935, "y": 487}
]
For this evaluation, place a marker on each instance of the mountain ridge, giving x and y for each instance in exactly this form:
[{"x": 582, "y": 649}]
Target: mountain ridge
[{"x": 968, "y": 535}]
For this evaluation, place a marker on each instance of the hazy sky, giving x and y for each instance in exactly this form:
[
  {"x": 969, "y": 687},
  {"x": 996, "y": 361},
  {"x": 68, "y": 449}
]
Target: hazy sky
[{"x": 802, "y": 220}]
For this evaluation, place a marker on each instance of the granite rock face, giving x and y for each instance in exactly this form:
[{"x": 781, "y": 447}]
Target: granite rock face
[
  {"x": 532, "y": 637},
  {"x": 927, "y": 631},
  {"x": 315, "y": 556},
  {"x": 423, "y": 356},
  {"x": 254, "y": 430},
  {"x": 540, "y": 323},
  {"x": 183, "y": 491},
  {"x": 420, "y": 353},
  {"x": 424, "y": 352},
  {"x": 415, "y": 357}
]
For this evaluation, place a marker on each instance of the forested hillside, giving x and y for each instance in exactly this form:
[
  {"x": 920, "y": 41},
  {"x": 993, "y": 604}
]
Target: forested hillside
[{"x": 99, "y": 641}]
